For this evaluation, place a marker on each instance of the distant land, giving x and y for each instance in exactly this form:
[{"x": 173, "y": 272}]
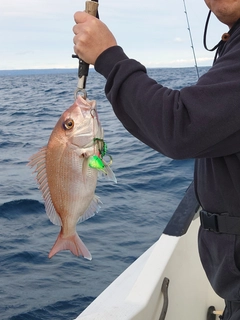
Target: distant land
[
  {"x": 62, "y": 71},
  {"x": 37, "y": 71}
]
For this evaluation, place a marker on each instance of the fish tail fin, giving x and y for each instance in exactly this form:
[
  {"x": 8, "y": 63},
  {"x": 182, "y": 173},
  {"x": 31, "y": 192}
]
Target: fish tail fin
[{"x": 72, "y": 243}]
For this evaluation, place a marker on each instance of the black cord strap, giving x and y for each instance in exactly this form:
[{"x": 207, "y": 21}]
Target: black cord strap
[{"x": 222, "y": 42}]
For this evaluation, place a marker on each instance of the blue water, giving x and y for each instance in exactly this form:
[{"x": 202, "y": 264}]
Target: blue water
[{"x": 133, "y": 215}]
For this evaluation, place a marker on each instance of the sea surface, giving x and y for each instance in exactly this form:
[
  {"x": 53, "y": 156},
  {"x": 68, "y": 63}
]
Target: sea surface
[{"x": 133, "y": 215}]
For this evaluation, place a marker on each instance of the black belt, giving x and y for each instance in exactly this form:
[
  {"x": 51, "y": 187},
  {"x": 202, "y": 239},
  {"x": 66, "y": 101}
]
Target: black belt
[{"x": 220, "y": 223}]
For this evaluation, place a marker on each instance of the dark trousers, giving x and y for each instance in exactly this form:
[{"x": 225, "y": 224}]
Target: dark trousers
[
  {"x": 232, "y": 311},
  {"x": 220, "y": 257}
]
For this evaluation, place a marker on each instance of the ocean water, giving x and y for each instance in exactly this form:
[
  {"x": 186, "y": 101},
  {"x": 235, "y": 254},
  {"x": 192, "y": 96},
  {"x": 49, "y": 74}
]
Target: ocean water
[{"x": 133, "y": 215}]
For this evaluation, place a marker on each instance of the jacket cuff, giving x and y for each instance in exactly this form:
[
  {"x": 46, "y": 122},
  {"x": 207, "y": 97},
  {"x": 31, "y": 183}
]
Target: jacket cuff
[{"x": 108, "y": 59}]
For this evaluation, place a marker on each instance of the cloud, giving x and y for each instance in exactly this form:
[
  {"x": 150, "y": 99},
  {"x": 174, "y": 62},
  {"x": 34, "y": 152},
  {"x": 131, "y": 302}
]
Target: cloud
[
  {"x": 178, "y": 39},
  {"x": 39, "y": 32}
]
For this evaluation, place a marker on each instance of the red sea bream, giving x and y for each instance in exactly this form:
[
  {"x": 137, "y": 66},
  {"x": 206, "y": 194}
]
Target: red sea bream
[{"x": 67, "y": 170}]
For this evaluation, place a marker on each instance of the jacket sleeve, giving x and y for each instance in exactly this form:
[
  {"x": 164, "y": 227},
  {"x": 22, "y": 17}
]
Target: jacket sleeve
[{"x": 198, "y": 121}]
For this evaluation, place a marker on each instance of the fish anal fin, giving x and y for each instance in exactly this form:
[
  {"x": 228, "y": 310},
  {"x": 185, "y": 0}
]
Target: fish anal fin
[
  {"x": 92, "y": 209},
  {"x": 72, "y": 243}
]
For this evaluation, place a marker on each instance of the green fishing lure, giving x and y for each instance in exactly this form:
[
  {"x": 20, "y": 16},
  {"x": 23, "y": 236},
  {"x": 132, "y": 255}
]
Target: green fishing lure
[{"x": 96, "y": 163}]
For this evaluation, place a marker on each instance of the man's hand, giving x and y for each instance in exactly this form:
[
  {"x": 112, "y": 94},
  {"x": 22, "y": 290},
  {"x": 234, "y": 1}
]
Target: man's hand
[{"x": 92, "y": 37}]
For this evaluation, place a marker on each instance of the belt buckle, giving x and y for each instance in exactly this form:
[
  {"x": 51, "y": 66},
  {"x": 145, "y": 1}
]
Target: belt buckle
[{"x": 209, "y": 221}]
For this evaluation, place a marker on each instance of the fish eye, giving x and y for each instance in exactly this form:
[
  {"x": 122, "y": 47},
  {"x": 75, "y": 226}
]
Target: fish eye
[{"x": 68, "y": 124}]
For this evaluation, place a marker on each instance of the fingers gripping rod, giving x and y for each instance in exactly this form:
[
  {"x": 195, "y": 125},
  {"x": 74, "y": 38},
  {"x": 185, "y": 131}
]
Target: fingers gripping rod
[{"x": 91, "y": 7}]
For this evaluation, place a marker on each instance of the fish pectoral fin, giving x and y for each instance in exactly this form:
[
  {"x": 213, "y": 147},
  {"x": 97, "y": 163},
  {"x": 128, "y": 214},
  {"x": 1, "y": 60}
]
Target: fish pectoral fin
[
  {"x": 85, "y": 169},
  {"x": 72, "y": 243},
  {"x": 92, "y": 209},
  {"x": 107, "y": 172}
]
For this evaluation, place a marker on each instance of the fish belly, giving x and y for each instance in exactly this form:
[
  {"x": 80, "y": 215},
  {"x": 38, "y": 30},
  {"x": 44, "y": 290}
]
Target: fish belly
[{"x": 71, "y": 193}]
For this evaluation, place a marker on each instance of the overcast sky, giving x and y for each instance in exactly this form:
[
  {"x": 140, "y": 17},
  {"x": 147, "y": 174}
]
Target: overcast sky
[{"x": 38, "y": 33}]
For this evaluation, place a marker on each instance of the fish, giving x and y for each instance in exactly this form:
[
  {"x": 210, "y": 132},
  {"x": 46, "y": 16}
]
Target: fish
[{"x": 67, "y": 170}]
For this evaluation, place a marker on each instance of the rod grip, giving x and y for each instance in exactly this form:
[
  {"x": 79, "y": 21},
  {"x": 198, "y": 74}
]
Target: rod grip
[{"x": 91, "y": 7}]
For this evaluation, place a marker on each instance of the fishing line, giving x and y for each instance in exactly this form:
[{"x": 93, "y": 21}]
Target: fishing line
[{"x": 191, "y": 39}]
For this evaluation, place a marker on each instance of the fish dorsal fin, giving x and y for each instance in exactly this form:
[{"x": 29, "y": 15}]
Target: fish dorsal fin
[
  {"x": 93, "y": 208},
  {"x": 38, "y": 160}
]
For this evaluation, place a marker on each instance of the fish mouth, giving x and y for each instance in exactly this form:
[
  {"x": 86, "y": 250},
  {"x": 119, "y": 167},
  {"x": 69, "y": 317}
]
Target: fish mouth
[
  {"x": 94, "y": 114},
  {"x": 83, "y": 135},
  {"x": 86, "y": 125}
]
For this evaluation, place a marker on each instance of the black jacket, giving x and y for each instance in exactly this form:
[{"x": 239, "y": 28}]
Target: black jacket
[{"x": 201, "y": 121}]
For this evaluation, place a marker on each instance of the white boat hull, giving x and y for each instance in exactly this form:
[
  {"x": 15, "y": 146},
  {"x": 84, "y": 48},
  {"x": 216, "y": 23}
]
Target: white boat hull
[{"x": 137, "y": 293}]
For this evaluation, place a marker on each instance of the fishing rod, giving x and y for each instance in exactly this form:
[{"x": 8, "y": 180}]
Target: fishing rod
[
  {"x": 191, "y": 39},
  {"x": 91, "y": 7}
]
